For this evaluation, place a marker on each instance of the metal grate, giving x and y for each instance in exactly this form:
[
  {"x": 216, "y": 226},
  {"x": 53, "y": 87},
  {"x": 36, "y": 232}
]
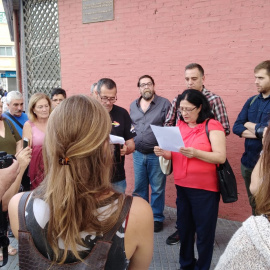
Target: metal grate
[{"x": 41, "y": 46}]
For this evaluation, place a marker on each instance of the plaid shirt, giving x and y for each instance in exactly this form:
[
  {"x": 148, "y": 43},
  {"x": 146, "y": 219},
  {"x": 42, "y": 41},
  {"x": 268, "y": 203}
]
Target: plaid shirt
[{"x": 216, "y": 103}]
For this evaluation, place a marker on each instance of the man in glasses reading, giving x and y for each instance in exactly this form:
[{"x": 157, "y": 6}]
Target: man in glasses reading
[{"x": 106, "y": 93}]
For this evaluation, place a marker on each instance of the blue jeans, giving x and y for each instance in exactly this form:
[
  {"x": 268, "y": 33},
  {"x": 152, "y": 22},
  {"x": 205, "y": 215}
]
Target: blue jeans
[
  {"x": 197, "y": 212},
  {"x": 120, "y": 186},
  {"x": 147, "y": 172}
]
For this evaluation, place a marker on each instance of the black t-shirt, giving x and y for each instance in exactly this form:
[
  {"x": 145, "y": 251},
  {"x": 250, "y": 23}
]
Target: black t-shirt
[{"x": 121, "y": 126}]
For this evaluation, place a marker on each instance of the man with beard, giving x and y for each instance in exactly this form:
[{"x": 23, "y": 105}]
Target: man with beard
[
  {"x": 149, "y": 109},
  {"x": 15, "y": 110},
  {"x": 250, "y": 124}
]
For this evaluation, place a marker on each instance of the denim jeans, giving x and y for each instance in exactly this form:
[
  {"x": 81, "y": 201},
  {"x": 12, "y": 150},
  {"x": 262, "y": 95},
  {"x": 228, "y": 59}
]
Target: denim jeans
[
  {"x": 147, "y": 172},
  {"x": 120, "y": 186}
]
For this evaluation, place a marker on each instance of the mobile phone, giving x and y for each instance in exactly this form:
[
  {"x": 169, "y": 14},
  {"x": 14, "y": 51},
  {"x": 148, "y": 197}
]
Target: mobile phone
[{"x": 25, "y": 142}]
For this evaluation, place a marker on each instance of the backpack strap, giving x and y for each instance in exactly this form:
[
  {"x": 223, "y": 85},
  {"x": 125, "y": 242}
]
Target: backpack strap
[
  {"x": 21, "y": 211},
  {"x": 99, "y": 254},
  {"x": 252, "y": 101},
  {"x": 14, "y": 119},
  {"x": 125, "y": 210}
]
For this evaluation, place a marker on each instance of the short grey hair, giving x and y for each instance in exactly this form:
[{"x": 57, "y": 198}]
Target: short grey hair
[
  {"x": 13, "y": 95},
  {"x": 109, "y": 83},
  {"x": 92, "y": 87}
]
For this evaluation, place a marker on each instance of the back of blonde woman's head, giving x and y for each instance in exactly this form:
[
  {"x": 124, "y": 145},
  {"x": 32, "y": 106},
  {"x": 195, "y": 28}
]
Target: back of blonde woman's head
[
  {"x": 32, "y": 103},
  {"x": 78, "y": 134},
  {"x": 78, "y": 131}
]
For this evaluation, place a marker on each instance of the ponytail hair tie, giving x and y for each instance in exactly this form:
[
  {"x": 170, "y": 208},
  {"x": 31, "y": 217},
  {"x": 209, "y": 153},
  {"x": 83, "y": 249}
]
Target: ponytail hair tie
[{"x": 64, "y": 161}]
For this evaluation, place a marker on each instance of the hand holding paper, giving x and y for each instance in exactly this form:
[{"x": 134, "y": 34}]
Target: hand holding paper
[
  {"x": 116, "y": 139},
  {"x": 168, "y": 138}
]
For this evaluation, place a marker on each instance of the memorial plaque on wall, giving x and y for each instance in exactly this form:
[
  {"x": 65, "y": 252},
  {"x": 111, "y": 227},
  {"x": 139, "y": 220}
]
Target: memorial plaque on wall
[{"x": 97, "y": 10}]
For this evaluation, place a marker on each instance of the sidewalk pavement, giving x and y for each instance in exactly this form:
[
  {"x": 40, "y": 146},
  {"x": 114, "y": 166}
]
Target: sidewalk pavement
[{"x": 166, "y": 257}]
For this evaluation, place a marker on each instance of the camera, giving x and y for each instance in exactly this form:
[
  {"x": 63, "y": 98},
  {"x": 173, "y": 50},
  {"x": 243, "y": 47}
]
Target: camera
[{"x": 5, "y": 159}]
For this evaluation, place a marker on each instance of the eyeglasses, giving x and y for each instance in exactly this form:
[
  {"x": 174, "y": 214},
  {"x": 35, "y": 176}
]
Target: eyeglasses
[
  {"x": 106, "y": 99},
  {"x": 187, "y": 110},
  {"x": 143, "y": 85}
]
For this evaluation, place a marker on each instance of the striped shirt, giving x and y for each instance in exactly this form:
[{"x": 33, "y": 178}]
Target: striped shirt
[{"x": 216, "y": 103}]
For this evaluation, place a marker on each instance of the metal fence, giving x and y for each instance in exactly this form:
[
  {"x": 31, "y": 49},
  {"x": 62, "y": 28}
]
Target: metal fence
[{"x": 40, "y": 56}]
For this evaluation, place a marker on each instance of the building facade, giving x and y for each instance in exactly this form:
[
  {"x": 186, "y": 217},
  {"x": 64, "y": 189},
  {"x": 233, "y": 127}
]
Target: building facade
[
  {"x": 7, "y": 55},
  {"x": 159, "y": 38}
]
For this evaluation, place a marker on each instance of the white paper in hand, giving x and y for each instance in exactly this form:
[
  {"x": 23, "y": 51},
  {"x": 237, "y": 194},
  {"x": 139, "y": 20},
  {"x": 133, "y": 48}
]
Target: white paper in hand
[
  {"x": 116, "y": 139},
  {"x": 168, "y": 138}
]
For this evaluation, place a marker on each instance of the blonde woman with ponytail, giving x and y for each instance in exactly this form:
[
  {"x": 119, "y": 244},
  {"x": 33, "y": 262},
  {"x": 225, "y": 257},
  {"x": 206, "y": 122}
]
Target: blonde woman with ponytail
[{"x": 75, "y": 205}]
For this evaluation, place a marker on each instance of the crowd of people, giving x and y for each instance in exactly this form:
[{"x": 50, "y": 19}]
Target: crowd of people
[{"x": 79, "y": 175}]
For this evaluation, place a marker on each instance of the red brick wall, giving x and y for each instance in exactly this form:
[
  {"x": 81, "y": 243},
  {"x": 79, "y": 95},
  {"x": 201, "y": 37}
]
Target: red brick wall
[{"x": 228, "y": 38}]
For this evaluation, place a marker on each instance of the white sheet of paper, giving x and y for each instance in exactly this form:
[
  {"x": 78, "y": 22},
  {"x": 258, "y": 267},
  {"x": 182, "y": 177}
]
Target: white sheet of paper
[
  {"x": 116, "y": 139},
  {"x": 168, "y": 138}
]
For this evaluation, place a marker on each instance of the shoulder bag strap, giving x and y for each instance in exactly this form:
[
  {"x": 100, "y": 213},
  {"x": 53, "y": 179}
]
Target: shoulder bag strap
[
  {"x": 21, "y": 211},
  {"x": 10, "y": 126},
  {"x": 14, "y": 119},
  {"x": 207, "y": 133},
  {"x": 99, "y": 254},
  {"x": 125, "y": 210}
]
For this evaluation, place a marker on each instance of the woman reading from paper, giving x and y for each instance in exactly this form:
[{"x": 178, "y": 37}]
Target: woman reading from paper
[{"x": 194, "y": 169}]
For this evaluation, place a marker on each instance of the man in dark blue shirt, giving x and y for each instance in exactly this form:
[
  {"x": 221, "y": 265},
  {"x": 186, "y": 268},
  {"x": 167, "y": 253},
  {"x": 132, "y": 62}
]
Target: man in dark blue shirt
[{"x": 251, "y": 121}]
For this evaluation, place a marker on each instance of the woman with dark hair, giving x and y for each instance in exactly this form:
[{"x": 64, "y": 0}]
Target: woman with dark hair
[
  {"x": 195, "y": 177},
  {"x": 75, "y": 206},
  {"x": 249, "y": 247}
]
